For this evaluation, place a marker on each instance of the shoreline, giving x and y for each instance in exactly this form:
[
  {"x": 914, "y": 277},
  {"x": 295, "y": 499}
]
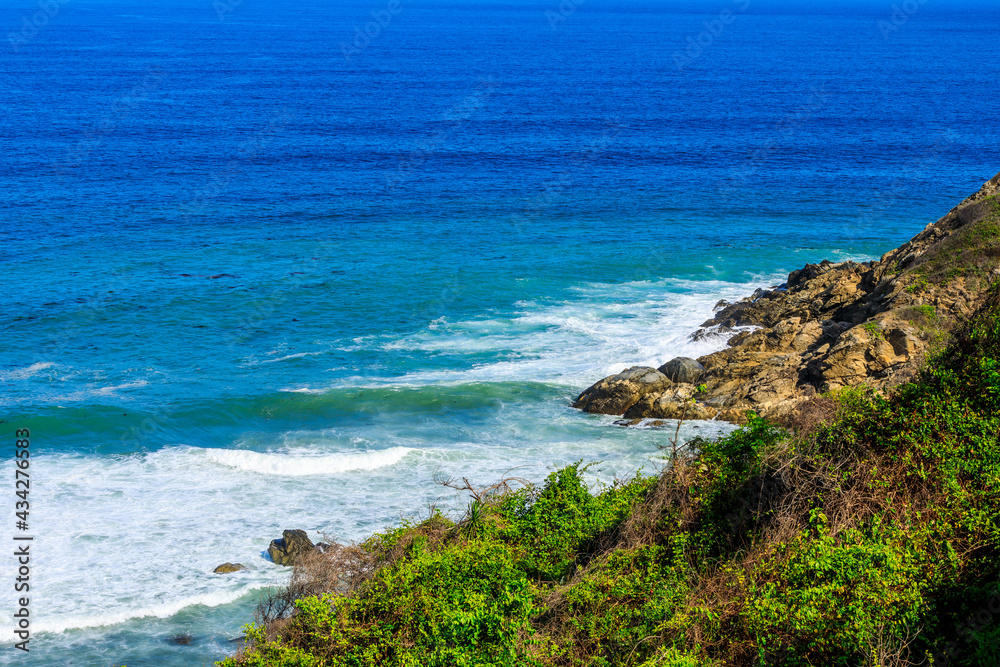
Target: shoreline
[{"x": 830, "y": 326}]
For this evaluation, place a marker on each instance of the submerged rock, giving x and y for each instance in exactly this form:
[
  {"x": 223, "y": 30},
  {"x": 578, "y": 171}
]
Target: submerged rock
[
  {"x": 292, "y": 545},
  {"x": 180, "y": 640},
  {"x": 226, "y": 568},
  {"x": 614, "y": 395},
  {"x": 652, "y": 424}
]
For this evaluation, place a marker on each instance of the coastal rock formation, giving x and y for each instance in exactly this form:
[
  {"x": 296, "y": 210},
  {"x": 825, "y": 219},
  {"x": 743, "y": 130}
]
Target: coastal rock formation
[
  {"x": 616, "y": 394},
  {"x": 292, "y": 545},
  {"x": 683, "y": 369},
  {"x": 830, "y": 326}
]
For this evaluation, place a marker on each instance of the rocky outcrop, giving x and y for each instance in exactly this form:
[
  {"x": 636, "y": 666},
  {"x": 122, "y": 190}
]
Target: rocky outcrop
[
  {"x": 830, "y": 326},
  {"x": 616, "y": 394},
  {"x": 293, "y": 545},
  {"x": 678, "y": 402}
]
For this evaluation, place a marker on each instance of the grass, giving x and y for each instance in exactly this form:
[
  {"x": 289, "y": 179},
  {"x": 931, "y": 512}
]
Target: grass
[
  {"x": 874, "y": 330},
  {"x": 971, "y": 252},
  {"x": 931, "y": 326},
  {"x": 922, "y": 316},
  {"x": 866, "y": 534}
]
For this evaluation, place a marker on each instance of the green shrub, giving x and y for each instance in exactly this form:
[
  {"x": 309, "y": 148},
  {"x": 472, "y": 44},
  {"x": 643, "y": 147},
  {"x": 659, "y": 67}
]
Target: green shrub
[{"x": 552, "y": 529}]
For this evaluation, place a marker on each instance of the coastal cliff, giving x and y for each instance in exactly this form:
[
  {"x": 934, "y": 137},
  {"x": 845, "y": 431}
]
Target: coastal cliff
[{"x": 830, "y": 326}]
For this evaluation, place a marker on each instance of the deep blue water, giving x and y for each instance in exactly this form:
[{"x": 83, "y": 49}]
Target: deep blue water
[{"x": 262, "y": 273}]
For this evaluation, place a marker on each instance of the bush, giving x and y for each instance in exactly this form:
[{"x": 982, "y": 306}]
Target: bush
[{"x": 872, "y": 537}]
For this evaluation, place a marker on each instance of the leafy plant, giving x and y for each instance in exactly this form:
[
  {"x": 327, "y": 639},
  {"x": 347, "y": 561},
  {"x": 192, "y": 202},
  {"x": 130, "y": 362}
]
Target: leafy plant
[{"x": 874, "y": 330}]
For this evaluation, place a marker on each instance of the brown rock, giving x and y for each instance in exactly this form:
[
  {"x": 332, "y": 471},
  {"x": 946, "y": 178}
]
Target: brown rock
[
  {"x": 292, "y": 545},
  {"x": 682, "y": 369},
  {"x": 670, "y": 405},
  {"x": 614, "y": 395},
  {"x": 226, "y": 568},
  {"x": 904, "y": 344}
]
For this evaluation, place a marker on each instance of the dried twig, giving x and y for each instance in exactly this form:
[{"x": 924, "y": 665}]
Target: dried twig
[{"x": 480, "y": 494}]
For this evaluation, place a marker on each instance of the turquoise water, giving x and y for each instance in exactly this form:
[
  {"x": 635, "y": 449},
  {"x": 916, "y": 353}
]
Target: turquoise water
[{"x": 252, "y": 285}]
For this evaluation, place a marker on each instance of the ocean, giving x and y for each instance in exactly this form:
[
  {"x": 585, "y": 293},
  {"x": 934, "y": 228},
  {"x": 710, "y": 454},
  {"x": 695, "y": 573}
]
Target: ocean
[{"x": 273, "y": 266}]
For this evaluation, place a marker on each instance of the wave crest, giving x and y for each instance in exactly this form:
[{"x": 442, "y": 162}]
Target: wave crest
[
  {"x": 291, "y": 465},
  {"x": 165, "y": 610}
]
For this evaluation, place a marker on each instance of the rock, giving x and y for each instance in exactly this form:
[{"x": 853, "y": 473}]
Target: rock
[
  {"x": 832, "y": 325},
  {"x": 180, "y": 640},
  {"x": 614, "y": 395},
  {"x": 670, "y": 405},
  {"x": 808, "y": 272},
  {"x": 292, "y": 545},
  {"x": 226, "y": 568},
  {"x": 712, "y": 333},
  {"x": 683, "y": 369}
]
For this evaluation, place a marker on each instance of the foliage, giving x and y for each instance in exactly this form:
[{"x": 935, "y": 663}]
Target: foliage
[
  {"x": 872, "y": 538},
  {"x": 874, "y": 330}
]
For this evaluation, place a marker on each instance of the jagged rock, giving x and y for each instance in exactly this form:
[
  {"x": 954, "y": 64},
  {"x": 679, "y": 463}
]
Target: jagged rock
[
  {"x": 292, "y": 545},
  {"x": 832, "y": 325},
  {"x": 226, "y": 568},
  {"x": 809, "y": 272},
  {"x": 614, "y": 395},
  {"x": 682, "y": 369},
  {"x": 904, "y": 344}
]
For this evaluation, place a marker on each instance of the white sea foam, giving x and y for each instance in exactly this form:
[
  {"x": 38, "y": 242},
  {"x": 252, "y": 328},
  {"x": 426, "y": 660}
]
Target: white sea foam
[
  {"x": 91, "y": 392},
  {"x": 575, "y": 341},
  {"x": 294, "y": 466},
  {"x": 297, "y": 355},
  {"x": 107, "y": 391},
  {"x": 138, "y": 536},
  {"x": 25, "y": 373}
]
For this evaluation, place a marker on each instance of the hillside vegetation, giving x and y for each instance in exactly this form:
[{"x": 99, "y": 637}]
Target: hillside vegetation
[{"x": 865, "y": 532}]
